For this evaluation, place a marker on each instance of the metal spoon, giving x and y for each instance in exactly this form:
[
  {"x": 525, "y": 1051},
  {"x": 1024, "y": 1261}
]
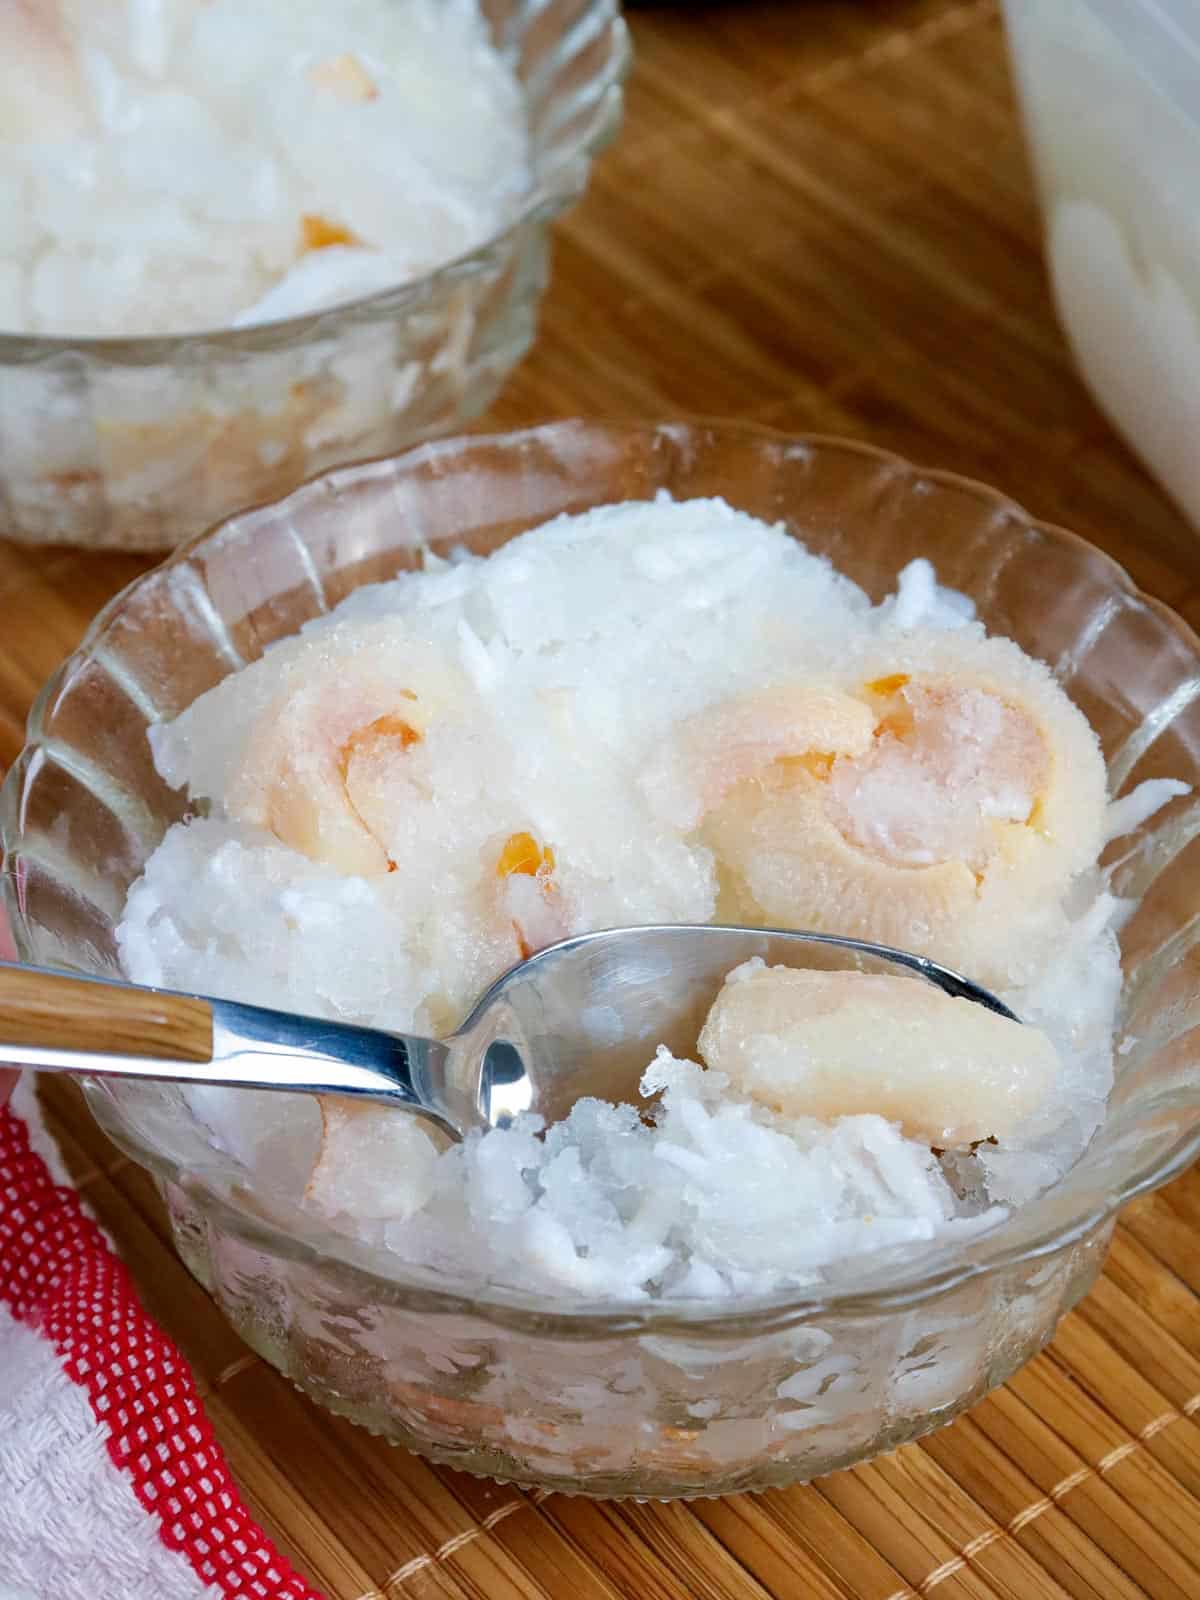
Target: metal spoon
[{"x": 579, "y": 1018}]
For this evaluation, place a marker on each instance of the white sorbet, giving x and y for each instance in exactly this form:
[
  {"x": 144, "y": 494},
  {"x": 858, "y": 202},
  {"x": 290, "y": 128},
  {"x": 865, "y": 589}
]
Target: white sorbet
[
  {"x": 654, "y": 712},
  {"x": 173, "y": 165}
]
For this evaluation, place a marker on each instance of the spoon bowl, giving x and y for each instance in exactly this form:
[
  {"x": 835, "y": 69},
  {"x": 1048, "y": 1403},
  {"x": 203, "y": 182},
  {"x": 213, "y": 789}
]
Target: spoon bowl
[{"x": 580, "y": 1018}]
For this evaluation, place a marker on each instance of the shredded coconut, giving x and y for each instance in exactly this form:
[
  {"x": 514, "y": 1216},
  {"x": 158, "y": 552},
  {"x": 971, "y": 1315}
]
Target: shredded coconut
[{"x": 658, "y": 711}]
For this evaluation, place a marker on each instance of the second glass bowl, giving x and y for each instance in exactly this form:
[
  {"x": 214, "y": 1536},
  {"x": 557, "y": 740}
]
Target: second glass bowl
[{"x": 140, "y": 443}]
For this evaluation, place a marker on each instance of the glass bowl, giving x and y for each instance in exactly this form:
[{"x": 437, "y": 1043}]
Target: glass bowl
[
  {"x": 647, "y": 1400},
  {"x": 139, "y": 443}
]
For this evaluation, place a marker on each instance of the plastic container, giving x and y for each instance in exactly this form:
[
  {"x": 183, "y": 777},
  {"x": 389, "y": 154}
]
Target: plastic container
[{"x": 1111, "y": 96}]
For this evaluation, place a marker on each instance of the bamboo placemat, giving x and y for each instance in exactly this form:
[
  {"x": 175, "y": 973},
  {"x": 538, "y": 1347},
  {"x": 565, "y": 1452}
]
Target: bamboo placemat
[{"x": 819, "y": 215}]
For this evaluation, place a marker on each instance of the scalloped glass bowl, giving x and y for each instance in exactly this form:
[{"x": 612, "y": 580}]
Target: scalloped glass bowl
[
  {"x": 141, "y": 443},
  {"x": 629, "y": 1400}
]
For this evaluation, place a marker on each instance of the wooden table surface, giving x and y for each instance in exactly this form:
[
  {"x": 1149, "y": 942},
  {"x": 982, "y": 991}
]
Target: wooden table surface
[{"x": 819, "y": 216}]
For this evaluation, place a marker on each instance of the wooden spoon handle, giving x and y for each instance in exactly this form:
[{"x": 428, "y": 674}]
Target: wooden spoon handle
[
  {"x": 53, "y": 1011},
  {"x": 55, "y": 1022}
]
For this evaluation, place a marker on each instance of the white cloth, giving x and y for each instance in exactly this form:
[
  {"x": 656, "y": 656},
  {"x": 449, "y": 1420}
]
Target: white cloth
[
  {"x": 71, "y": 1526},
  {"x": 70, "y": 1523}
]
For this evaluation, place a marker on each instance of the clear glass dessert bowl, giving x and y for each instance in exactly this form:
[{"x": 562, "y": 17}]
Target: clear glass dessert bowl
[
  {"x": 139, "y": 443},
  {"x": 648, "y": 1399}
]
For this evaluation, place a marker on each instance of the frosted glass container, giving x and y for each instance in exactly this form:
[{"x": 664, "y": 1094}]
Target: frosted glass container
[{"x": 1111, "y": 96}]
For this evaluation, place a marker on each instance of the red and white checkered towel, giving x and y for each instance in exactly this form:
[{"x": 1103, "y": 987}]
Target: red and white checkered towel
[{"x": 112, "y": 1486}]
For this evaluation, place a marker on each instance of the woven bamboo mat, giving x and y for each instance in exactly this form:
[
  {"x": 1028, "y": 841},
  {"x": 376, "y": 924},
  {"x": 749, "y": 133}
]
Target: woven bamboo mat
[{"x": 819, "y": 215}]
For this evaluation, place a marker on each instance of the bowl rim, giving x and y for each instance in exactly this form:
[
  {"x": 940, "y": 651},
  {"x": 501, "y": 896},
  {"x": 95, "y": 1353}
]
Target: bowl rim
[
  {"x": 549, "y": 193},
  {"x": 960, "y": 1262}
]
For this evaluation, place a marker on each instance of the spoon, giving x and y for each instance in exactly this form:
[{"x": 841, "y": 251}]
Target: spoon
[{"x": 582, "y": 1017}]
